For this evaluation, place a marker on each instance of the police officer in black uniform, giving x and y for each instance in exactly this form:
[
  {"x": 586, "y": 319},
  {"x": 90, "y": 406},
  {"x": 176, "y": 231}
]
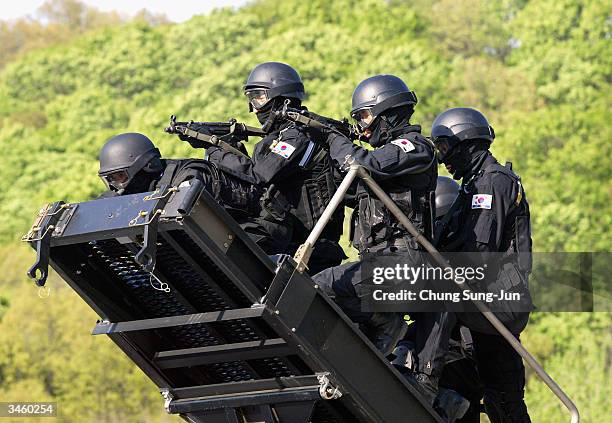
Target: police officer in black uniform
[
  {"x": 491, "y": 217},
  {"x": 130, "y": 163},
  {"x": 293, "y": 166},
  {"x": 459, "y": 372},
  {"x": 403, "y": 163}
]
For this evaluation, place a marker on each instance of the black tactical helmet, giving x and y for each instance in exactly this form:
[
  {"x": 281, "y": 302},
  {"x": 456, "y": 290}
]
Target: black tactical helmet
[
  {"x": 446, "y": 192},
  {"x": 377, "y": 94},
  {"x": 123, "y": 156},
  {"x": 457, "y": 125},
  {"x": 269, "y": 80}
]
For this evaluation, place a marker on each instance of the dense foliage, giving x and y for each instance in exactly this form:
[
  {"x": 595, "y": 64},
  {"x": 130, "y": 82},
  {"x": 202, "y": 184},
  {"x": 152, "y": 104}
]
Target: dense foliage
[{"x": 539, "y": 69}]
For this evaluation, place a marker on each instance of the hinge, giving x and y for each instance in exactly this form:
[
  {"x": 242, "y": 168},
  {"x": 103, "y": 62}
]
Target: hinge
[{"x": 327, "y": 390}]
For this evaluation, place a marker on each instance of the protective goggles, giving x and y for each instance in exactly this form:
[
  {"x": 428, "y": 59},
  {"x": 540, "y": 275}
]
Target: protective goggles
[
  {"x": 364, "y": 117},
  {"x": 117, "y": 180},
  {"x": 257, "y": 97},
  {"x": 445, "y": 148}
]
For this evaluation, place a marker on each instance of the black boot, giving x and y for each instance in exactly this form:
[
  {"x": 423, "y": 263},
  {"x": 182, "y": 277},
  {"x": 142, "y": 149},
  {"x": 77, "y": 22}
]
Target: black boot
[
  {"x": 403, "y": 357},
  {"x": 447, "y": 403},
  {"x": 452, "y": 403}
]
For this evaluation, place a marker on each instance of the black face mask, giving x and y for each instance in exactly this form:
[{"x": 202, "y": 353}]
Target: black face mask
[
  {"x": 386, "y": 126},
  {"x": 458, "y": 163},
  {"x": 463, "y": 162},
  {"x": 266, "y": 116},
  {"x": 142, "y": 182},
  {"x": 264, "y": 113}
]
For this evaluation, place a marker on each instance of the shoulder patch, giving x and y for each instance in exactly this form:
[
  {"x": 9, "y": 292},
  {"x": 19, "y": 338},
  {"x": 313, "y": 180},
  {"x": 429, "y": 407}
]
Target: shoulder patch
[
  {"x": 404, "y": 144},
  {"x": 482, "y": 201},
  {"x": 283, "y": 149}
]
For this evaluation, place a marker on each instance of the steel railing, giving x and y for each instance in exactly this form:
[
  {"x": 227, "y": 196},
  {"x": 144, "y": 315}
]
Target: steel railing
[{"x": 303, "y": 253}]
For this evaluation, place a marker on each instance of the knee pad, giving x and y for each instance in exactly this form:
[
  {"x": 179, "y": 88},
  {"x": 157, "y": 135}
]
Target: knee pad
[{"x": 389, "y": 329}]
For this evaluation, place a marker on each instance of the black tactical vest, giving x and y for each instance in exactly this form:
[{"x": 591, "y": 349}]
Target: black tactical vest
[
  {"x": 308, "y": 192},
  {"x": 374, "y": 227}
]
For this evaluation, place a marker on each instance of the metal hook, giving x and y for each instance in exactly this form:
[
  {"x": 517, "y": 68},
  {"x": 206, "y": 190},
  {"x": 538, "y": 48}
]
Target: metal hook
[
  {"x": 143, "y": 213},
  {"x": 44, "y": 291},
  {"x": 163, "y": 286},
  {"x": 152, "y": 196}
]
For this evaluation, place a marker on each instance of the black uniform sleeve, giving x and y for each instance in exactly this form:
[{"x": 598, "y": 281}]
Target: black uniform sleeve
[
  {"x": 106, "y": 194},
  {"x": 389, "y": 159},
  {"x": 483, "y": 226},
  {"x": 239, "y": 166},
  {"x": 281, "y": 157},
  {"x": 274, "y": 158}
]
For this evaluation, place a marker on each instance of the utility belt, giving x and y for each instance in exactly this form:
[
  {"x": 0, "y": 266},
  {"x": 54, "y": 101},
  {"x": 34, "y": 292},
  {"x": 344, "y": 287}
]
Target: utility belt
[
  {"x": 512, "y": 272},
  {"x": 274, "y": 205},
  {"x": 509, "y": 274},
  {"x": 404, "y": 243}
]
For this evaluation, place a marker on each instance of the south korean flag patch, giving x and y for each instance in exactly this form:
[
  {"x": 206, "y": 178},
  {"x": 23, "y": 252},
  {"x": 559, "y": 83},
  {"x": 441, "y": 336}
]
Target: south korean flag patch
[
  {"x": 283, "y": 149},
  {"x": 482, "y": 201},
  {"x": 404, "y": 144}
]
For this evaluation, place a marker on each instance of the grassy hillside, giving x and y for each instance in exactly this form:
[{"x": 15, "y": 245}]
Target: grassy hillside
[{"x": 539, "y": 69}]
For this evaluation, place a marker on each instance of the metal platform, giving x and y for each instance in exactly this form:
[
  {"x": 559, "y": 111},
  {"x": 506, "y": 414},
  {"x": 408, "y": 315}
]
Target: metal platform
[{"x": 226, "y": 334}]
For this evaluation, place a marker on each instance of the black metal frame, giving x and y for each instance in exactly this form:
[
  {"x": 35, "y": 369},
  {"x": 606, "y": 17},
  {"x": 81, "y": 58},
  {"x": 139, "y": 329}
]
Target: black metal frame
[{"x": 236, "y": 338}]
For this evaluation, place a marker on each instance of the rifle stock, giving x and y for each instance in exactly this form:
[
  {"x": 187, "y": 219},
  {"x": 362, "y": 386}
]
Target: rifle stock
[{"x": 226, "y": 135}]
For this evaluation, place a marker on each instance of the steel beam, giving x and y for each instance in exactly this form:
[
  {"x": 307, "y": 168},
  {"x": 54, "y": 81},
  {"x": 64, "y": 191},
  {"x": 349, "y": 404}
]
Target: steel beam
[
  {"x": 239, "y": 351},
  {"x": 167, "y": 322}
]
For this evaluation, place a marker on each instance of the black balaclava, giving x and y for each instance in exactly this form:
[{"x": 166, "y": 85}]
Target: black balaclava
[
  {"x": 389, "y": 124},
  {"x": 265, "y": 116},
  {"x": 468, "y": 158},
  {"x": 144, "y": 179}
]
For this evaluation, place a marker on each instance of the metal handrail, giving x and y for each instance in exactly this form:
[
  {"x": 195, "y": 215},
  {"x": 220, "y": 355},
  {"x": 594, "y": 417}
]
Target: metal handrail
[{"x": 303, "y": 255}]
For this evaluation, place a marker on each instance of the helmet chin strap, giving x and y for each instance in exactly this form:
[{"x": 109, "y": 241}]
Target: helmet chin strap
[
  {"x": 267, "y": 117},
  {"x": 269, "y": 122},
  {"x": 380, "y": 132},
  {"x": 389, "y": 125}
]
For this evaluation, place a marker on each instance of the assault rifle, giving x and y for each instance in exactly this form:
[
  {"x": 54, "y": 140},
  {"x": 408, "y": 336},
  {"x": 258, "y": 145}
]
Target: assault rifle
[
  {"x": 320, "y": 123},
  {"x": 226, "y": 135}
]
